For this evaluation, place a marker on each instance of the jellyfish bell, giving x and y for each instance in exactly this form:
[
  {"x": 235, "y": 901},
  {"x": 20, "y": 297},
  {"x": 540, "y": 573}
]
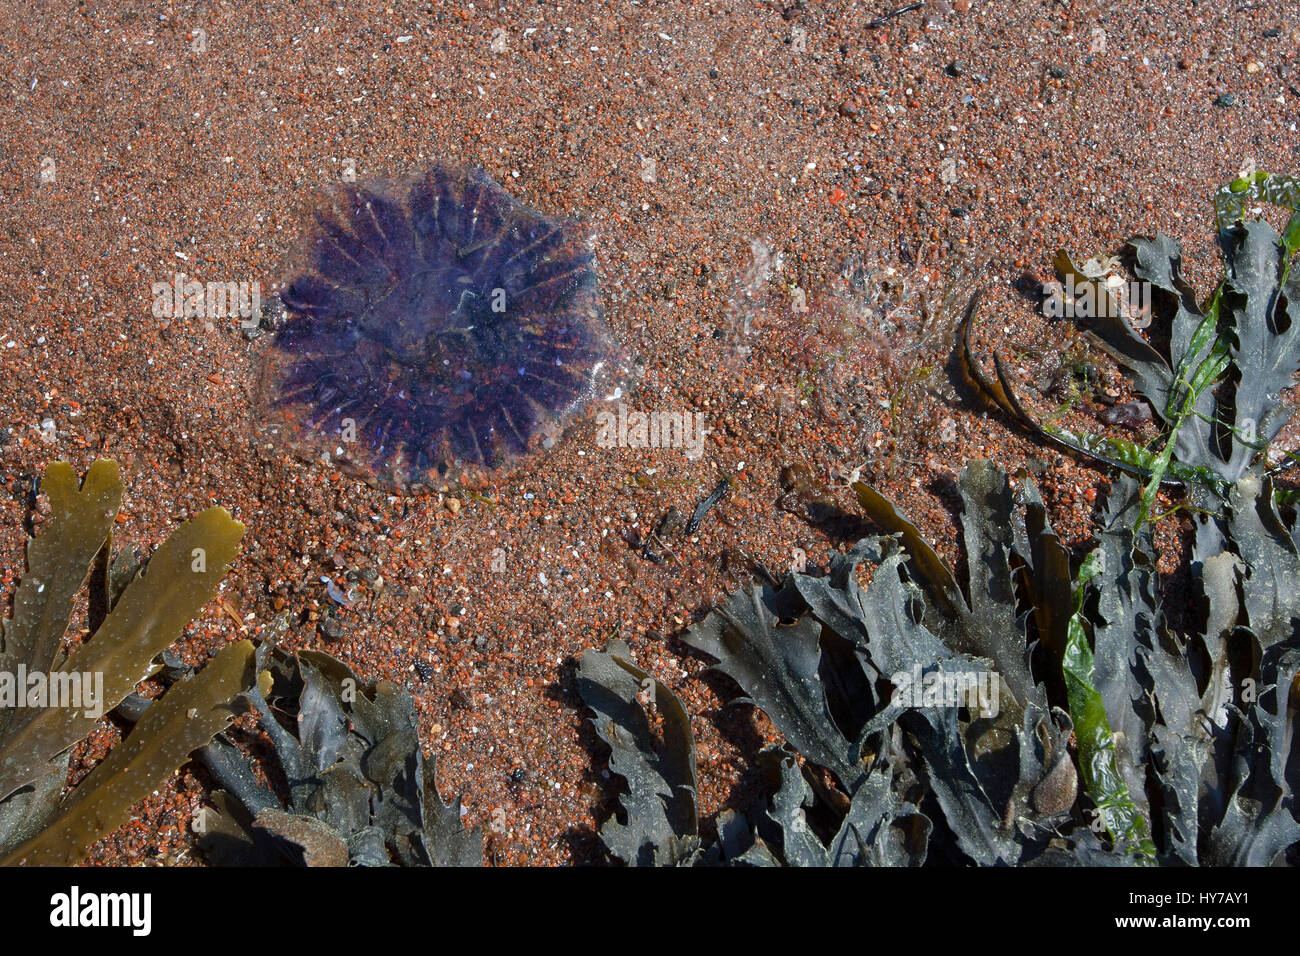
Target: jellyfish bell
[{"x": 434, "y": 328}]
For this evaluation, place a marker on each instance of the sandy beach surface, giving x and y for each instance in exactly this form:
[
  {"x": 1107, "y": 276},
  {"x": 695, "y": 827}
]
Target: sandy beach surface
[{"x": 788, "y": 206}]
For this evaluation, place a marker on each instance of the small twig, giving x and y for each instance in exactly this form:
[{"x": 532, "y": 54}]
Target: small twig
[
  {"x": 882, "y": 20},
  {"x": 654, "y": 537},
  {"x": 234, "y": 616}
]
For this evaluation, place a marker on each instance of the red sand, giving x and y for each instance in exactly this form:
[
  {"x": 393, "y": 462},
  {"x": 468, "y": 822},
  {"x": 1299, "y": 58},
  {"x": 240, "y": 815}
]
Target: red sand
[{"x": 186, "y": 142}]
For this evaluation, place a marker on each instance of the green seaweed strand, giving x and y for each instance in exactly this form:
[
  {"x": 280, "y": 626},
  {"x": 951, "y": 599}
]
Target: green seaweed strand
[{"x": 1116, "y": 811}]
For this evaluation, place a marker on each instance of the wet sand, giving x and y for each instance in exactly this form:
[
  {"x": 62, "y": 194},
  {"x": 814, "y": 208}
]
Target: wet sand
[{"x": 771, "y": 192}]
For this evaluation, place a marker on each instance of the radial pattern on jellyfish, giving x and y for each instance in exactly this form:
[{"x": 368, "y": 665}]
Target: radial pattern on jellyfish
[{"x": 432, "y": 324}]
